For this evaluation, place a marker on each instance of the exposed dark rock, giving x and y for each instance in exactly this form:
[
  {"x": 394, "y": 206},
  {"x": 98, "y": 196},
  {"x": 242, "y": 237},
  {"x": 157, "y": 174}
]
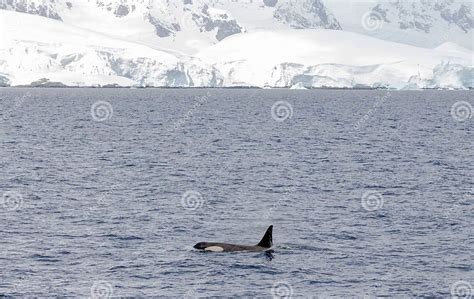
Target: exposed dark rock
[
  {"x": 309, "y": 14},
  {"x": 122, "y": 11},
  {"x": 422, "y": 15},
  {"x": 225, "y": 26},
  {"x": 462, "y": 18},
  {"x": 44, "y": 82},
  {"x": 381, "y": 12},
  {"x": 45, "y": 9},
  {"x": 270, "y": 3},
  {"x": 160, "y": 29}
]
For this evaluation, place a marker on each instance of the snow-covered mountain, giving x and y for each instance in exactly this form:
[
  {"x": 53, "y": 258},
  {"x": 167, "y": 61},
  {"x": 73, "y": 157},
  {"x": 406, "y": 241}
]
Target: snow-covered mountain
[
  {"x": 191, "y": 25},
  {"x": 305, "y": 58},
  {"x": 237, "y": 42},
  {"x": 38, "y": 50},
  {"x": 44, "y": 8},
  {"x": 186, "y": 25},
  {"x": 423, "y": 23}
]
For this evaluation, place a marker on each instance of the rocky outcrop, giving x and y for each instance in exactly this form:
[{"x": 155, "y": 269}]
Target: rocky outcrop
[
  {"x": 307, "y": 14},
  {"x": 423, "y": 15},
  {"x": 211, "y": 19},
  {"x": 44, "y": 8}
]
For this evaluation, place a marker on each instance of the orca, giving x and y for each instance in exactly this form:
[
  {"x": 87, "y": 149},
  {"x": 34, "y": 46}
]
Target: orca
[{"x": 265, "y": 244}]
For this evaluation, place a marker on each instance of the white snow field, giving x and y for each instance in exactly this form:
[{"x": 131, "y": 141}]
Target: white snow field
[
  {"x": 329, "y": 58},
  {"x": 34, "y": 47},
  {"x": 37, "y": 49}
]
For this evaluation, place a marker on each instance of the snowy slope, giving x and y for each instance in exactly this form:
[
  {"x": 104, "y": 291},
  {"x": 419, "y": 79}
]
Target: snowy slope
[
  {"x": 453, "y": 49},
  {"x": 189, "y": 26},
  {"x": 154, "y": 23},
  {"x": 423, "y": 23},
  {"x": 33, "y": 47},
  {"x": 197, "y": 43},
  {"x": 184, "y": 26},
  {"x": 318, "y": 58},
  {"x": 159, "y": 23}
]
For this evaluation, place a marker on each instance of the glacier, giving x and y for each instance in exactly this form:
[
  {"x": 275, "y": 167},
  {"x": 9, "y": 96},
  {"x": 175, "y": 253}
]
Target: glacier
[
  {"x": 33, "y": 48},
  {"x": 46, "y": 50},
  {"x": 338, "y": 59}
]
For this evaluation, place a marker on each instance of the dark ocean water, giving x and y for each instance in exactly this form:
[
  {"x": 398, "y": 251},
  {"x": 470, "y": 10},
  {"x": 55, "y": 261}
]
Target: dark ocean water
[{"x": 370, "y": 193}]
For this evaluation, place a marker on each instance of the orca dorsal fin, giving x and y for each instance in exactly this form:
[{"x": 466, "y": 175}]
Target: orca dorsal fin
[{"x": 267, "y": 240}]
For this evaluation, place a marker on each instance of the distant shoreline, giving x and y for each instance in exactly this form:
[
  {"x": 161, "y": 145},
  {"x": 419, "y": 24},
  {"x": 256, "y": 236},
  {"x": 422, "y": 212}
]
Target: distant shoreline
[{"x": 228, "y": 87}]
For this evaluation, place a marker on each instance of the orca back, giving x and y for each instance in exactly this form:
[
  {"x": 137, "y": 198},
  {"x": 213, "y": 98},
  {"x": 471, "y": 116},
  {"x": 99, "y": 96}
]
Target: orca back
[{"x": 265, "y": 243}]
